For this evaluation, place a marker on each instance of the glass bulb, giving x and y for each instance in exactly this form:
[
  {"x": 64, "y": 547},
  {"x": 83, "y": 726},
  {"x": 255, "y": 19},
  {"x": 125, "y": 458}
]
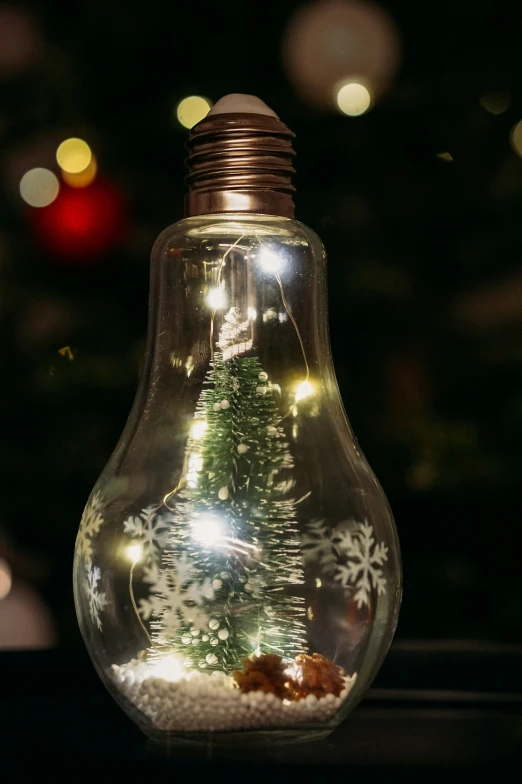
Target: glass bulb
[{"x": 237, "y": 564}]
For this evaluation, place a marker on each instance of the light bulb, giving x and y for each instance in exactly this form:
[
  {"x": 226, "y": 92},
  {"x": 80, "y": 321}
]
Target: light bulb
[{"x": 237, "y": 518}]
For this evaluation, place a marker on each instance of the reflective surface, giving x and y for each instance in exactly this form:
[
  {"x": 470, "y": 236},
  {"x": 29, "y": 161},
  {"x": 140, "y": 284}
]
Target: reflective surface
[{"x": 237, "y": 518}]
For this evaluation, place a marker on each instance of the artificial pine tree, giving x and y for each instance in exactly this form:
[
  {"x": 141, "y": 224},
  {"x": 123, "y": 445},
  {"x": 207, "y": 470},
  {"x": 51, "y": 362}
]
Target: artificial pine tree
[{"x": 233, "y": 521}]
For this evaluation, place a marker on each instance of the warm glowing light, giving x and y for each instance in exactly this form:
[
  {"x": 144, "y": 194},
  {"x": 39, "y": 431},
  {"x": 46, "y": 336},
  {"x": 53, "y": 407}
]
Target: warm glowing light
[
  {"x": 269, "y": 260},
  {"x": 191, "y": 110},
  {"x": 495, "y": 103},
  {"x": 198, "y": 428},
  {"x": 170, "y": 669},
  {"x": 516, "y": 138},
  {"x": 73, "y": 155},
  {"x": 207, "y": 531},
  {"x": 304, "y": 389},
  {"x": 353, "y": 99},
  {"x": 216, "y": 299},
  {"x": 83, "y": 178},
  {"x": 5, "y": 578},
  {"x": 134, "y": 553},
  {"x": 39, "y": 187}
]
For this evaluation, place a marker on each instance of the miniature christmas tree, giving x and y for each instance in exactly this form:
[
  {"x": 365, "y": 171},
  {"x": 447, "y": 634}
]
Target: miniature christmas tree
[{"x": 234, "y": 524}]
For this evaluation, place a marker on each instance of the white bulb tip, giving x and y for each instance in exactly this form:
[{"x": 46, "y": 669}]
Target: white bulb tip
[{"x": 239, "y": 103}]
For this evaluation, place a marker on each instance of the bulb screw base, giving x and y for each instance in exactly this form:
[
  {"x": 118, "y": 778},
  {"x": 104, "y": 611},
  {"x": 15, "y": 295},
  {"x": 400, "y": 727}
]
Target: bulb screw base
[{"x": 240, "y": 163}]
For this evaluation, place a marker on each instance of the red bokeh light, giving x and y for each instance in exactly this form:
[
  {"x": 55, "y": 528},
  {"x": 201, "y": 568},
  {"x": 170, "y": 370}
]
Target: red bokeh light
[{"x": 81, "y": 224}]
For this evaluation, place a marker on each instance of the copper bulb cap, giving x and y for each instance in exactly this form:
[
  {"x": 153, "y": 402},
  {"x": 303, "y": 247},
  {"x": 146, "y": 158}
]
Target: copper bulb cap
[{"x": 240, "y": 162}]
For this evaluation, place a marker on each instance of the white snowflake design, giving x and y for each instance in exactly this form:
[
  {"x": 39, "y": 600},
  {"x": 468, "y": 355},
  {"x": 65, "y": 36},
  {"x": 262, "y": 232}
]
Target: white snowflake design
[
  {"x": 151, "y": 529},
  {"x": 350, "y": 553},
  {"x": 176, "y": 596},
  {"x": 97, "y": 600},
  {"x": 90, "y": 524},
  {"x": 318, "y": 545}
]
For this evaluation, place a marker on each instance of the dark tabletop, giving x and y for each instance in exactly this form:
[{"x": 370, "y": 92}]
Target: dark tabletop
[{"x": 433, "y": 706}]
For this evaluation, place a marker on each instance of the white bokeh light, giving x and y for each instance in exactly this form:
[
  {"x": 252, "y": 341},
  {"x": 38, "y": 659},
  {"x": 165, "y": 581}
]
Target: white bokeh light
[
  {"x": 39, "y": 187},
  {"x": 353, "y": 99},
  {"x": 5, "y": 578}
]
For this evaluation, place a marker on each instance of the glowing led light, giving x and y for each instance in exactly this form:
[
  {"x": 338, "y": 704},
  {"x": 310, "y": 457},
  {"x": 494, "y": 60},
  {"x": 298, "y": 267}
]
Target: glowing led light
[
  {"x": 353, "y": 99},
  {"x": 73, "y": 155},
  {"x": 5, "y": 578},
  {"x": 134, "y": 553},
  {"x": 39, "y": 187},
  {"x": 304, "y": 389},
  {"x": 516, "y": 138},
  {"x": 207, "y": 531},
  {"x": 198, "y": 428},
  {"x": 192, "y": 109},
  {"x": 269, "y": 260},
  {"x": 83, "y": 178},
  {"x": 170, "y": 669},
  {"x": 216, "y": 298},
  {"x": 252, "y": 314}
]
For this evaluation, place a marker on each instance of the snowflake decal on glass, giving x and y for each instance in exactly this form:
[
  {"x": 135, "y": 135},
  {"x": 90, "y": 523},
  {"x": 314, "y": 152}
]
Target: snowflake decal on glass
[
  {"x": 350, "y": 554},
  {"x": 90, "y": 524},
  {"x": 151, "y": 529},
  {"x": 176, "y": 596},
  {"x": 97, "y": 600},
  {"x": 318, "y": 545}
]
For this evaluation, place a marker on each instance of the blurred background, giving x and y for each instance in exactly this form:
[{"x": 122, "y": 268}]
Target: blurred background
[{"x": 409, "y": 139}]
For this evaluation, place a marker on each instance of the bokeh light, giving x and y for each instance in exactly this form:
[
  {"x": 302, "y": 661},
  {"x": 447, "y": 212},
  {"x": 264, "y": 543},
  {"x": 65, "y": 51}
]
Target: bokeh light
[
  {"x": 20, "y": 40},
  {"x": 73, "y": 155},
  {"x": 39, "y": 187},
  {"x": 192, "y": 109},
  {"x": 82, "y": 223},
  {"x": 495, "y": 103},
  {"x": 329, "y": 41},
  {"x": 83, "y": 178},
  {"x": 516, "y": 138},
  {"x": 353, "y": 99},
  {"x": 5, "y": 578}
]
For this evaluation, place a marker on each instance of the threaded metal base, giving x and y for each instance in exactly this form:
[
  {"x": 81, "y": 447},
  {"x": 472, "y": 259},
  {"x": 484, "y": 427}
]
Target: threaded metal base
[{"x": 240, "y": 163}]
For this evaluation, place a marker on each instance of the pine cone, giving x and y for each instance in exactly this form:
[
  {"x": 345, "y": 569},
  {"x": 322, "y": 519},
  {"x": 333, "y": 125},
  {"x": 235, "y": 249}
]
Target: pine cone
[
  {"x": 315, "y": 675},
  {"x": 263, "y": 673}
]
